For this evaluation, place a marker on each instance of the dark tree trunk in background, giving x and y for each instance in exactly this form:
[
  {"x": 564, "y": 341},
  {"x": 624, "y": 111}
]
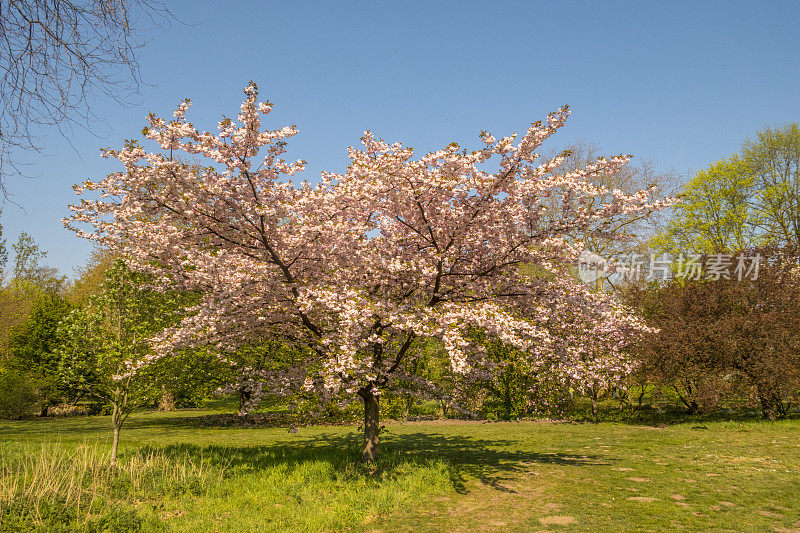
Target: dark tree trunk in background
[
  {"x": 244, "y": 398},
  {"x": 770, "y": 408},
  {"x": 371, "y": 424},
  {"x": 167, "y": 400}
]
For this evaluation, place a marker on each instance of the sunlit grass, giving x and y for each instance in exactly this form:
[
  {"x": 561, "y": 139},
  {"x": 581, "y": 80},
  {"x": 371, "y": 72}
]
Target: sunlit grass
[{"x": 178, "y": 474}]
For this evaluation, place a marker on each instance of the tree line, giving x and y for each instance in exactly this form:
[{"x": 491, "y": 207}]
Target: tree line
[{"x": 428, "y": 286}]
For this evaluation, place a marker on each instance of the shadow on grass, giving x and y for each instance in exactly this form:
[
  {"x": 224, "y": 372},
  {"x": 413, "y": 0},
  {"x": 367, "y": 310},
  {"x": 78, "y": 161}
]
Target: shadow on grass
[
  {"x": 676, "y": 415},
  {"x": 464, "y": 458},
  {"x": 488, "y": 460}
]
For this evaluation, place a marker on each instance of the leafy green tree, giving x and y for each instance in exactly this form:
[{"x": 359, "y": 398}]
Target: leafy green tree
[
  {"x": 717, "y": 212},
  {"x": 30, "y": 281},
  {"x": 749, "y": 200},
  {"x": 34, "y": 345},
  {"x": 773, "y": 161},
  {"x": 28, "y": 267},
  {"x": 109, "y": 334}
]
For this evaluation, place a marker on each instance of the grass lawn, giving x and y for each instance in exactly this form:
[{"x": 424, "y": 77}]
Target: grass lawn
[{"x": 179, "y": 474}]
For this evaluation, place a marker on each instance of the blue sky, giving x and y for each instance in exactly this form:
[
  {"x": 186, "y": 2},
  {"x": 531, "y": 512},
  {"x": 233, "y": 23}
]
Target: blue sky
[{"x": 679, "y": 83}]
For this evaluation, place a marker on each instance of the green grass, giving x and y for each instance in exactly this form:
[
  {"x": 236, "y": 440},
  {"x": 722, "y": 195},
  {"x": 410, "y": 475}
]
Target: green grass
[{"x": 180, "y": 474}]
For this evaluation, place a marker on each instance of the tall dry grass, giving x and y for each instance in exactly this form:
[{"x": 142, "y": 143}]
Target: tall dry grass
[{"x": 76, "y": 485}]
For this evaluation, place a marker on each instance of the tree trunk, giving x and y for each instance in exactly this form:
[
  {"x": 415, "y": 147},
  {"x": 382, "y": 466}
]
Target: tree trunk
[
  {"x": 768, "y": 410},
  {"x": 244, "y": 399},
  {"x": 167, "y": 400},
  {"x": 408, "y": 406},
  {"x": 116, "y": 423},
  {"x": 690, "y": 405},
  {"x": 371, "y": 424},
  {"x": 508, "y": 405},
  {"x": 114, "y": 446}
]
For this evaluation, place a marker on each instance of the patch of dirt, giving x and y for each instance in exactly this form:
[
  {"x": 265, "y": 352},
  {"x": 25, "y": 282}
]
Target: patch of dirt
[
  {"x": 639, "y": 479},
  {"x": 557, "y": 520},
  {"x": 644, "y": 499},
  {"x": 677, "y": 497},
  {"x": 770, "y": 514}
]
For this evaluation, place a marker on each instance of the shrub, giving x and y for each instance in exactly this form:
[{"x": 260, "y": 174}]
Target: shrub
[{"x": 19, "y": 395}]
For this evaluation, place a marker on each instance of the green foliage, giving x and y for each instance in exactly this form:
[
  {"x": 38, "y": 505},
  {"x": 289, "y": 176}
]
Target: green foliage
[
  {"x": 747, "y": 200},
  {"x": 773, "y": 159},
  {"x": 511, "y": 382},
  {"x": 108, "y": 338},
  {"x": 19, "y": 393},
  {"x": 36, "y": 339},
  {"x": 33, "y": 346},
  {"x": 716, "y": 213},
  {"x": 190, "y": 376}
]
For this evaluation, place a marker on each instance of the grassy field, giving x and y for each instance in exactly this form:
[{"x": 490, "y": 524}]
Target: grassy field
[{"x": 179, "y": 473}]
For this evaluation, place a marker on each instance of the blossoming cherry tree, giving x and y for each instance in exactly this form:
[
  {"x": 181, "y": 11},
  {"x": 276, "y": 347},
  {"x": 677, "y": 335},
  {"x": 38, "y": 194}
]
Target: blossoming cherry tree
[{"x": 363, "y": 265}]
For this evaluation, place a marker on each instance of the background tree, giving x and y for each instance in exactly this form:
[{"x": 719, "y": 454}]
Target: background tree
[
  {"x": 718, "y": 337},
  {"x": 631, "y": 232},
  {"x": 57, "y": 56},
  {"x": 31, "y": 304},
  {"x": 679, "y": 357},
  {"x": 717, "y": 213},
  {"x": 109, "y": 334},
  {"x": 745, "y": 201},
  {"x": 89, "y": 278},
  {"x": 28, "y": 267},
  {"x": 30, "y": 281},
  {"x": 33, "y": 349},
  {"x": 358, "y": 269},
  {"x": 773, "y": 164}
]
